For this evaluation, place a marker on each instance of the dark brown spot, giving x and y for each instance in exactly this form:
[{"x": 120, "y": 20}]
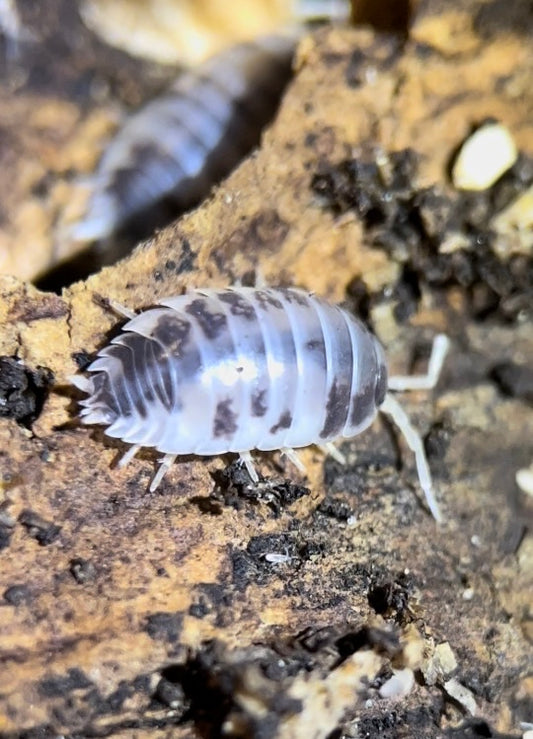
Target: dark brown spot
[
  {"x": 172, "y": 331},
  {"x": 294, "y": 296},
  {"x": 239, "y": 306},
  {"x": 317, "y": 353},
  {"x": 266, "y": 299},
  {"x": 337, "y": 409},
  {"x": 187, "y": 258},
  {"x": 264, "y": 232},
  {"x": 115, "y": 400},
  {"x": 363, "y": 405},
  {"x": 164, "y": 626},
  {"x": 55, "y": 685},
  {"x": 284, "y": 422},
  {"x": 159, "y": 374},
  {"x": 31, "y": 309},
  {"x": 18, "y": 595},
  {"x": 381, "y": 385},
  {"x": 259, "y": 407},
  {"x": 212, "y": 324},
  {"x": 83, "y": 359},
  {"x": 46, "y": 532},
  {"x": 225, "y": 423},
  {"x": 268, "y": 230}
]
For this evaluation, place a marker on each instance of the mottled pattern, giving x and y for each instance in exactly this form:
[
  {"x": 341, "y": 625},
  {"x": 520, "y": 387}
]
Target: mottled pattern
[
  {"x": 214, "y": 371},
  {"x": 225, "y": 424},
  {"x": 284, "y": 422},
  {"x": 336, "y": 408}
]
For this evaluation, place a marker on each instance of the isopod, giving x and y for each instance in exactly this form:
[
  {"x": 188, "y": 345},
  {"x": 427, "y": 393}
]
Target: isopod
[
  {"x": 169, "y": 154},
  {"x": 232, "y": 370}
]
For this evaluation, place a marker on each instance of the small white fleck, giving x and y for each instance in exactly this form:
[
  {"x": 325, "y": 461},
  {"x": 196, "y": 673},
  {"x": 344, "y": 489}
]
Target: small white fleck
[
  {"x": 351, "y": 520},
  {"x": 468, "y": 593},
  {"x": 276, "y": 558},
  {"x": 371, "y": 75},
  {"x": 475, "y": 540}
]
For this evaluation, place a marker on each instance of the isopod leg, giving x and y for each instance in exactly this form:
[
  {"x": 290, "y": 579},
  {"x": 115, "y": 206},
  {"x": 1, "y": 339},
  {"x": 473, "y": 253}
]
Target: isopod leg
[
  {"x": 440, "y": 347},
  {"x": 293, "y": 457},
  {"x": 165, "y": 463},
  {"x": 330, "y": 449},
  {"x": 128, "y": 456},
  {"x": 391, "y": 407},
  {"x": 246, "y": 459}
]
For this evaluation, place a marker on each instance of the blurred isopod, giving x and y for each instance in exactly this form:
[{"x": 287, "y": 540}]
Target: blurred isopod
[{"x": 169, "y": 154}]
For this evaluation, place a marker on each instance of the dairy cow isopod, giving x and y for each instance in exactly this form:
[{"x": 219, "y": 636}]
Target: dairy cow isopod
[
  {"x": 168, "y": 155},
  {"x": 233, "y": 370}
]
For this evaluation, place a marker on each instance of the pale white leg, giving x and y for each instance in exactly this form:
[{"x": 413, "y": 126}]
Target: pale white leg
[
  {"x": 246, "y": 459},
  {"x": 428, "y": 381},
  {"x": 391, "y": 406},
  {"x": 293, "y": 457},
  {"x": 165, "y": 464},
  {"x": 128, "y": 456},
  {"x": 330, "y": 448},
  {"x": 121, "y": 309}
]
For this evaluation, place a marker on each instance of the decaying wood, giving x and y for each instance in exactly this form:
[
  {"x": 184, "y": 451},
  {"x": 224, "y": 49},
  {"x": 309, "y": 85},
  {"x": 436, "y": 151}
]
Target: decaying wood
[{"x": 126, "y": 613}]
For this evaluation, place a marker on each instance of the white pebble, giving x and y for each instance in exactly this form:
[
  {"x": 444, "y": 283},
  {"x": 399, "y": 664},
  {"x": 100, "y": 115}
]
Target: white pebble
[
  {"x": 400, "y": 684},
  {"x": 461, "y": 694},
  {"x": 524, "y": 480},
  {"x": 484, "y": 157}
]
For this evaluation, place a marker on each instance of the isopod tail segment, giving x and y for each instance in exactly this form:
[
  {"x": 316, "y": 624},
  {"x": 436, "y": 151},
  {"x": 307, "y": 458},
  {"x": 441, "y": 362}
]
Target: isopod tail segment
[{"x": 399, "y": 417}]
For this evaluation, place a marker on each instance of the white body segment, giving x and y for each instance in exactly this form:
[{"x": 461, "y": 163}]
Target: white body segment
[
  {"x": 234, "y": 370},
  {"x": 216, "y": 371}
]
